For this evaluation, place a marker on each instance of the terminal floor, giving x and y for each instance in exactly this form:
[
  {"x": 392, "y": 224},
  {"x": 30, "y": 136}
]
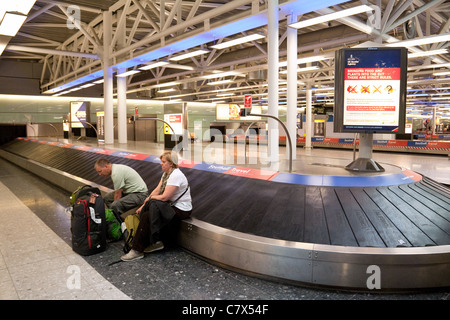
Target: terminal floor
[{"x": 35, "y": 254}]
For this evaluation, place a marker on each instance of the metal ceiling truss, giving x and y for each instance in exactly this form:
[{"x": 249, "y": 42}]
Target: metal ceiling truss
[{"x": 140, "y": 27}]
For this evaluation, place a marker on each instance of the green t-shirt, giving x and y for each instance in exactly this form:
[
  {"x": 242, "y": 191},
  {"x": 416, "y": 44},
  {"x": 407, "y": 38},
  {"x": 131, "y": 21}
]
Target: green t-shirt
[{"x": 127, "y": 179}]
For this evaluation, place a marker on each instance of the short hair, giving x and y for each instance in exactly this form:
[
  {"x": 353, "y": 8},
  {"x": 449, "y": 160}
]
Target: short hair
[
  {"x": 171, "y": 157},
  {"x": 102, "y": 162}
]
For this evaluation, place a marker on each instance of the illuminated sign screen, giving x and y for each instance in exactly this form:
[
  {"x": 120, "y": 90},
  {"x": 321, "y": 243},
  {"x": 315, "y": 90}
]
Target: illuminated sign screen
[
  {"x": 176, "y": 122},
  {"x": 232, "y": 112},
  {"x": 79, "y": 113},
  {"x": 370, "y": 90}
]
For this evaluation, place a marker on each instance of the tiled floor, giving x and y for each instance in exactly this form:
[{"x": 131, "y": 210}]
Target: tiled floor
[
  {"x": 36, "y": 260},
  {"x": 35, "y": 263}
]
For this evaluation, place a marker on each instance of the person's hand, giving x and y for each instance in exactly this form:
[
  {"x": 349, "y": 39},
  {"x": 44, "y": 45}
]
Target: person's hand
[{"x": 138, "y": 211}]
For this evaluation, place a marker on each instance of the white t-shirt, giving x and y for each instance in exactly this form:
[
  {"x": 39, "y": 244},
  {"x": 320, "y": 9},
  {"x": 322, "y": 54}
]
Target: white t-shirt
[{"x": 178, "y": 179}]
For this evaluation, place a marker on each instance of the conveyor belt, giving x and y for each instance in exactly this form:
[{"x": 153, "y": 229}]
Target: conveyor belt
[{"x": 415, "y": 215}]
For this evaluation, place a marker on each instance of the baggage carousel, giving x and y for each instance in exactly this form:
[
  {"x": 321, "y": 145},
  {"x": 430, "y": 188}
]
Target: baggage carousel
[{"x": 381, "y": 232}]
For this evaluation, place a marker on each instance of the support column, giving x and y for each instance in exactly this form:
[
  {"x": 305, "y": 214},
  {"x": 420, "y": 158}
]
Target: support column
[
  {"x": 108, "y": 77},
  {"x": 122, "y": 93},
  {"x": 122, "y": 108},
  {"x": 291, "y": 113},
  {"x": 364, "y": 162},
  {"x": 308, "y": 123},
  {"x": 273, "y": 56}
]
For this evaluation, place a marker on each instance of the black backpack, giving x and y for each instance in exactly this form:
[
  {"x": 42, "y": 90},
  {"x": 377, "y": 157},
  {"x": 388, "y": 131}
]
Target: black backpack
[{"x": 88, "y": 221}]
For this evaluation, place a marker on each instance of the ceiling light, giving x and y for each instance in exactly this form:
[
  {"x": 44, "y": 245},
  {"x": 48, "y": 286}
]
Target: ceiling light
[
  {"x": 154, "y": 65},
  {"x": 235, "y": 42},
  {"x": 99, "y": 81},
  {"x": 307, "y": 60},
  {"x": 189, "y": 55},
  {"x": 167, "y": 84},
  {"x": 179, "y": 66},
  {"x": 166, "y": 90},
  {"x": 213, "y": 83},
  {"x": 441, "y": 73},
  {"x": 87, "y": 85},
  {"x": 303, "y": 69},
  {"x": 3, "y": 43},
  {"x": 22, "y": 6},
  {"x": 331, "y": 16},
  {"x": 427, "y": 53},
  {"x": 128, "y": 73},
  {"x": 420, "y": 41},
  {"x": 223, "y": 74},
  {"x": 11, "y": 23}
]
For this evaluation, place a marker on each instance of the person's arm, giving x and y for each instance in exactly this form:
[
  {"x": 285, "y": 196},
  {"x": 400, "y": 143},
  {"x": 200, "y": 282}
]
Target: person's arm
[
  {"x": 117, "y": 194},
  {"x": 167, "y": 194},
  {"x": 154, "y": 192}
]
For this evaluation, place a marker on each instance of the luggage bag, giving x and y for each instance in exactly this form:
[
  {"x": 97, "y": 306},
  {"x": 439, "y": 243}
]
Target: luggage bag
[{"x": 88, "y": 221}]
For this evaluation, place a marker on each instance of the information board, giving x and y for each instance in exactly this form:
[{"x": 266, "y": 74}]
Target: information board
[
  {"x": 232, "y": 112},
  {"x": 370, "y": 90},
  {"x": 79, "y": 113}
]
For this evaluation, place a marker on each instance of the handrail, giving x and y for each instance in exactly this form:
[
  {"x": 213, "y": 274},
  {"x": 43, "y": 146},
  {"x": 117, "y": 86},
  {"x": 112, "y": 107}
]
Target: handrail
[
  {"x": 287, "y": 134},
  {"x": 157, "y": 119}
]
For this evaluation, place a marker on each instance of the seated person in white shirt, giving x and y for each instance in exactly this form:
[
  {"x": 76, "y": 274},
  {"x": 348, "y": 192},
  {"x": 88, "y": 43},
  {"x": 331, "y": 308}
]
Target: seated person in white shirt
[{"x": 157, "y": 211}]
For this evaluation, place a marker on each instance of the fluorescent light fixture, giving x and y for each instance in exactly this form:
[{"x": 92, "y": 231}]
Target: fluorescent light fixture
[
  {"x": 128, "y": 73},
  {"x": 213, "y": 83},
  {"x": 99, "y": 81},
  {"x": 179, "y": 66},
  {"x": 154, "y": 65},
  {"x": 223, "y": 74},
  {"x": 189, "y": 55},
  {"x": 420, "y": 41},
  {"x": 427, "y": 53},
  {"x": 331, "y": 16},
  {"x": 22, "y": 6},
  {"x": 235, "y": 42},
  {"x": 3, "y": 43},
  {"x": 166, "y": 90},
  {"x": 441, "y": 73},
  {"x": 87, "y": 85},
  {"x": 11, "y": 23},
  {"x": 167, "y": 84},
  {"x": 303, "y": 69},
  {"x": 307, "y": 60}
]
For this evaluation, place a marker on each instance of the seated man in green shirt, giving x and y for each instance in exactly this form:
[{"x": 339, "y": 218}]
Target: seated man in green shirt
[{"x": 130, "y": 190}]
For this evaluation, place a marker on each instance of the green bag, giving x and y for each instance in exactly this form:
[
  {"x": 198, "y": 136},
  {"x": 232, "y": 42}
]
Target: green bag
[{"x": 114, "y": 232}]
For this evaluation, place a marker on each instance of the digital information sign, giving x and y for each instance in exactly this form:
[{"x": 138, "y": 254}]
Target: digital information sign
[
  {"x": 79, "y": 113},
  {"x": 370, "y": 90}
]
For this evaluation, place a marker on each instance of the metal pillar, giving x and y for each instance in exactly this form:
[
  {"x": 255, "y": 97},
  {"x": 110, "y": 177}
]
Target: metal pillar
[
  {"x": 308, "y": 123},
  {"x": 364, "y": 162},
  {"x": 273, "y": 55},
  {"x": 108, "y": 77},
  {"x": 291, "y": 112},
  {"x": 122, "y": 94}
]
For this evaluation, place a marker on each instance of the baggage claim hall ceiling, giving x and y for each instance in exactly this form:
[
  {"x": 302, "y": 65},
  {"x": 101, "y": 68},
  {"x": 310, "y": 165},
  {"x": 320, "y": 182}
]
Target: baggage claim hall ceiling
[{"x": 148, "y": 38}]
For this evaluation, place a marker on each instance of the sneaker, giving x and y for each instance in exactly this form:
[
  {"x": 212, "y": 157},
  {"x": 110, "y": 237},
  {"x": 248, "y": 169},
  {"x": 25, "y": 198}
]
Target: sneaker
[
  {"x": 154, "y": 247},
  {"x": 132, "y": 255}
]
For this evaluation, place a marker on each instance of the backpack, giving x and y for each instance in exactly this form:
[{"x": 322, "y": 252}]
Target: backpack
[
  {"x": 88, "y": 221},
  {"x": 131, "y": 223}
]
